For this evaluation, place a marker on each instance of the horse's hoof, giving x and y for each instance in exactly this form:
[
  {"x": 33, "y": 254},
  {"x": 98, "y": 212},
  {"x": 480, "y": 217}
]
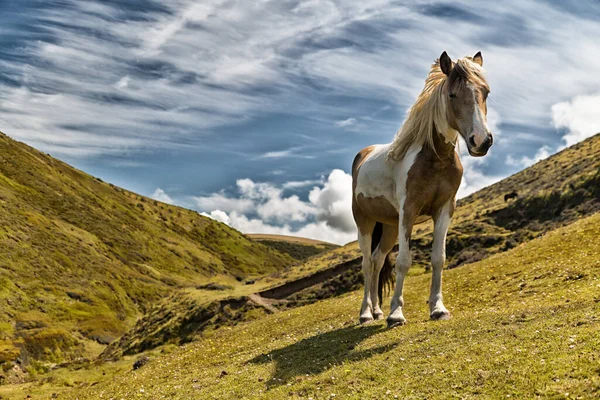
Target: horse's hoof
[
  {"x": 392, "y": 323},
  {"x": 378, "y": 317},
  {"x": 365, "y": 320},
  {"x": 440, "y": 315}
]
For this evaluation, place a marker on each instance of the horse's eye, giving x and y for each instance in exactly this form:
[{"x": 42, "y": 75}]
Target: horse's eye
[{"x": 452, "y": 95}]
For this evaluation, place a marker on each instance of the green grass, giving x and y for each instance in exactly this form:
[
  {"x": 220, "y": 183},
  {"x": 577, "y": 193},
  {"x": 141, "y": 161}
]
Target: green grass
[
  {"x": 85, "y": 259},
  {"x": 81, "y": 261},
  {"x": 525, "y": 324}
]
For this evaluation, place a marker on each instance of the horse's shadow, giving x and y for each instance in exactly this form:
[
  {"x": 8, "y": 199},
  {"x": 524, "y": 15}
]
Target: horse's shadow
[{"x": 318, "y": 353}]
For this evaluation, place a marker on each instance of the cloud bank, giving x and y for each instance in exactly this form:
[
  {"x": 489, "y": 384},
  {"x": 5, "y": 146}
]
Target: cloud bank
[{"x": 267, "y": 208}]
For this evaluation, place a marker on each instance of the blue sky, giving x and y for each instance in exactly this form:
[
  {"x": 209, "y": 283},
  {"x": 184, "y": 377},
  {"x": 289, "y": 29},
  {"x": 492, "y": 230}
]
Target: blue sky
[{"x": 252, "y": 112}]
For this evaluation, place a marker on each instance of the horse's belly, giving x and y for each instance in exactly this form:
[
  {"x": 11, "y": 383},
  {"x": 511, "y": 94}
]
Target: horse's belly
[{"x": 378, "y": 208}]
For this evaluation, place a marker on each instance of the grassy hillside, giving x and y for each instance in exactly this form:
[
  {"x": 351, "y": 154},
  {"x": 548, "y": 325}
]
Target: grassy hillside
[
  {"x": 485, "y": 225},
  {"x": 525, "y": 324},
  {"x": 297, "y": 247},
  {"x": 80, "y": 259}
]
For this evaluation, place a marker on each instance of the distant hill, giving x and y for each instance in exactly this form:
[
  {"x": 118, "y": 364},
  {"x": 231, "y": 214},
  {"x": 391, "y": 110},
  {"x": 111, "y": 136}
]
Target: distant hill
[
  {"x": 81, "y": 260},
  {"x": 298, "y": 248}
]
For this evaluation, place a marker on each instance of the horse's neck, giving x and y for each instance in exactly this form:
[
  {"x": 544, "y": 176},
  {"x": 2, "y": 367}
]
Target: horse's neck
[{"x": 444, "y": 146}]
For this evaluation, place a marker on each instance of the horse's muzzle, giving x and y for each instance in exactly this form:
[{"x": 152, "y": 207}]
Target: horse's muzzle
[{"x": 481, "y": 150}]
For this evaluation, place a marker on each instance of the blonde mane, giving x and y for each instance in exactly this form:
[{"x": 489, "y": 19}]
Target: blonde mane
[{"x": 429, "y": 113}]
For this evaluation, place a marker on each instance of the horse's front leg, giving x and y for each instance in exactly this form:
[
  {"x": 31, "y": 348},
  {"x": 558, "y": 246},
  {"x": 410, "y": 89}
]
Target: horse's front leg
[
  {"x": 437, "y": 310},
  {"x": 403, "y": 262}
]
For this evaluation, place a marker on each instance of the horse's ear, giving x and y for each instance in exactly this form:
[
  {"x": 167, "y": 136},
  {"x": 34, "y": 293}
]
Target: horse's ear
[
  {"x": 478, "y": 59},
  {"x": 445, "y": 63}
]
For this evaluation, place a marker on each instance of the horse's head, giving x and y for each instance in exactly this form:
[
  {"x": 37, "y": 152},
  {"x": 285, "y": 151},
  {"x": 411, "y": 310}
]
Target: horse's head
[{"x": 467, "y": 91}]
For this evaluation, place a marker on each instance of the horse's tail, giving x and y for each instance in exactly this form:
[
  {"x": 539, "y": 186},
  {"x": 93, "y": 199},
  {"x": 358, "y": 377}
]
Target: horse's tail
[{"x": 386, "y": 275}]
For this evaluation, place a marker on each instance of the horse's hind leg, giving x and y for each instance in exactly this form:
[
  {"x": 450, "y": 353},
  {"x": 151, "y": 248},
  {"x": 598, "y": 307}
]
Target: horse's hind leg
[
  {"x": 389, "y": 237},
  {"x": 365, "y": 235}
]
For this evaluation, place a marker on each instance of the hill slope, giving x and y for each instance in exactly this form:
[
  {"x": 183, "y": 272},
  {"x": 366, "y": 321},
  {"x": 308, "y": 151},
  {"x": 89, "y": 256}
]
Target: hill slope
[
  {"x": 525, "y": 324},
  {"x": 552, "y": 193},
  {"x": 298, "y": 248},
  {"x": 80, "y": 260}
]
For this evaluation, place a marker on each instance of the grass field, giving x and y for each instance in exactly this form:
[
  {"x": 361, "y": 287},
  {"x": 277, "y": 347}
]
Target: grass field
[
  {"x": 525, "y": 324},
  {"x": 81, "y": 260}
]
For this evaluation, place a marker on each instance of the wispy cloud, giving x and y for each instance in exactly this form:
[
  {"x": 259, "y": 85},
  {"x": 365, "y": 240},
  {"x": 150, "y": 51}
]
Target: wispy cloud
[
  {"x": 102, "y": 78},
  {"x": 271, "y": 87},
  {"x": 346, "y": 122},
  {"x": 277, "y": 154}
]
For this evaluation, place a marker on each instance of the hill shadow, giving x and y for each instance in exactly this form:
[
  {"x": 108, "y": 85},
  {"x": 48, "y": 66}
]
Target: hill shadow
[{"x": 318, "y": 353}]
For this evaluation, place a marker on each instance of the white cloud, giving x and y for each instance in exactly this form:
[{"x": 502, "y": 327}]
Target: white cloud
[
  {"x": 160, "y": 195},
  {"x": 265, "y": 208},
  {"x": 123, "y": 83},
  {"x": 345, "y": 123},
  {"x": 219, "y": 215},
  {"x": 580, "y": 117},
  {"x": 282, "y": 209},
  {"x": 334, "y": 201},
  {"x": 314, "y": 230},
  {"x": 524, "y": 162},
  {"x": 220, "y": 201},
  {"x": 301, "y": 184}
]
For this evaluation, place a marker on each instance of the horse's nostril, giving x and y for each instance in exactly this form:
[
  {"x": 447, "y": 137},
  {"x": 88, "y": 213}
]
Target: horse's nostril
[{"x": 472, "y": 141}]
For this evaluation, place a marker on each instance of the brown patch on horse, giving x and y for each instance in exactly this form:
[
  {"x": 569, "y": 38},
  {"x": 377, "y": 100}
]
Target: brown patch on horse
[
  {"x": 386, "y": 212},
  {"x": 432, "y": 181}
]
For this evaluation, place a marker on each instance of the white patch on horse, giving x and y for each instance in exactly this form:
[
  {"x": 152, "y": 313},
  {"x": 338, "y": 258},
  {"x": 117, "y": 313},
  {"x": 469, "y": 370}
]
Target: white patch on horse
[
  {"x": 378, "y": 177},
  {"x": 480, "y": 127}
]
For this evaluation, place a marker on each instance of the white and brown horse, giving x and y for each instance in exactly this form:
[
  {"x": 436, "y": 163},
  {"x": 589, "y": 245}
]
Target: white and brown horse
[{"x": 416, "y": 177}]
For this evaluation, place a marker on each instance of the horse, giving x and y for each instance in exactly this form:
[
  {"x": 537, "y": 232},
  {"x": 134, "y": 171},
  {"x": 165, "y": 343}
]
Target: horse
[
  {"x": 415, "y": 178},
  {"x": 511, "y": 195}
]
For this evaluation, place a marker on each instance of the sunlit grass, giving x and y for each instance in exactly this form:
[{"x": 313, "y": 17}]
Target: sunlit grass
[{"x": 525, "y": 324}]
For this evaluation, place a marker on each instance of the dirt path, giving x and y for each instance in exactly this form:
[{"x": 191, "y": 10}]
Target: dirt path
[
  {"x": 289, "y": 288},
  {"x": 261, "y": 301}
]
